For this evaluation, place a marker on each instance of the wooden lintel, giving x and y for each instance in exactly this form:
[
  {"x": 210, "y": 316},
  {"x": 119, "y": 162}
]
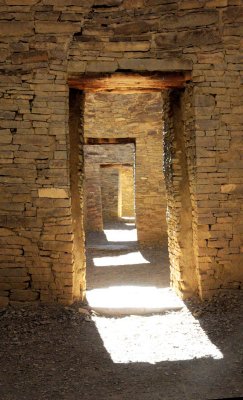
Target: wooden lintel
[
  {"x": 116, "y": 165},
  {"x": 109, "y": 141},
  {"x": 129, "y": 82}
]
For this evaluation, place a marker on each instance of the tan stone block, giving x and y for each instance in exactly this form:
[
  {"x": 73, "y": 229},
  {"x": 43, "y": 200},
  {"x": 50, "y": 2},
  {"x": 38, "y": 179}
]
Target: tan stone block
[
  {"x": 6, "y": 232},
  {"x": 211, "y": 58},
  {"x": 173, "y": 64},
  {"x": 60, "y": 28},
  {"x": 46, "y": 237},
  {"x": 14, "y": 279},
  {"x": 41, "y": 277},
  {"x": 58, "y": 246},
  {"x": 101, "y": 66},
  {"x": 19, "y": 285},
  {"x": 11, "y": 251},
  {"x": 15, "y": 28},
  {"x": 218, "y": 243},
  {"x": 18, "y": 240},
  {"x": 21, "y": 2},
  {"x": 53, "y": 193},
  {"x": 13, "y": 272},
  {"x": 23, "y": 295},
  {"x": 216, "y": 3},
  {"x": 228, "y": 188},
  {"x": 30, "y": 57},
  {"x": 19, "y": 198},
  {"x": 203, "y": 100},
  {"x": 207, "y": 124},
  {"x": 63, "y": 268},
  {"x": 207, "y": 162},
  {"x": 37, "y": 140},
  {"x": 76, "y": 66},
  {"x": 6, "y": 138},
  {"x": 136, "y": 28},
  {"x": 206, "y": 141},
  {"x": 126, "y": 46},
  {"x": 222, "y": 227},
  {"x": 64, "y": 237},
  {"x": 232, "y": 118},
  {"x": 49, "y": 88},
  {"x": 190, "y": 19},
  {"x": 206, "y": 220},
  {"x": 233, "y": 15}
]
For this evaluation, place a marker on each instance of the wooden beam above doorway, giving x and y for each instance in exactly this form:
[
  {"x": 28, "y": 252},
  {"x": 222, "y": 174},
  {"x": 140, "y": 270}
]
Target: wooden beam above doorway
[
  {"x": 95, "y": 141},
  {"x": 123, "y": 82}
]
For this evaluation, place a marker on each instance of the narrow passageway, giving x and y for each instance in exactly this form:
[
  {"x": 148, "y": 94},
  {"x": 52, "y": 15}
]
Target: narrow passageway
[{"x": 125, "y": 278}]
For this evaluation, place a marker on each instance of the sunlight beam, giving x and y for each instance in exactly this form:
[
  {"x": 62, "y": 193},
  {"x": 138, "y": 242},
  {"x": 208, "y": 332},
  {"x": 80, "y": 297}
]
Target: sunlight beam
[
  {"x": 175, "y": 336},
  {"x": 133, "y": 298},
  {"x": 133, "y": 258},
  {"x": 172, "y": 335},
  {"x": 121, "y": 235}
]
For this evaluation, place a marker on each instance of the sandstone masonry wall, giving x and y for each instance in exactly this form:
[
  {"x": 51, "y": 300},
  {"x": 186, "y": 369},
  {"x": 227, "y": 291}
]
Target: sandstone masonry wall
[
  {"x": 109, "y": 192},
  {"x": 42, "y": 43},
  {"x": 126, "y": 197}
]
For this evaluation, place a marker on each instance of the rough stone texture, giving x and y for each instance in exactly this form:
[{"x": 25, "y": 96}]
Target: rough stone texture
[
  {"x": 179, "y": 149},
  {"x": 93, "y": 220},
  {"x": 40, "y": 44},
  {"x": 139, "y": 117},
  {"x": 126, "y": 195},
  {"x": 109, "y": 193}
]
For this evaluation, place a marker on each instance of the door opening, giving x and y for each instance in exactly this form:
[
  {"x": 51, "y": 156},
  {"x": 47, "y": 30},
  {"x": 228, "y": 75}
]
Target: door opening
[{"x": 157, "y": 126}]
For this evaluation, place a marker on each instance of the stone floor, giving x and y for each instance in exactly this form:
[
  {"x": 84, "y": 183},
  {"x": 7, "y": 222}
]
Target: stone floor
[
  {"x": 191, "y": 351},
  {"x": 123, "y": 278}
]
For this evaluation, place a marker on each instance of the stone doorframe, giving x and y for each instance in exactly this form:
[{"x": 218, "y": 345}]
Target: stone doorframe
[{"x": 183, "y": 273}]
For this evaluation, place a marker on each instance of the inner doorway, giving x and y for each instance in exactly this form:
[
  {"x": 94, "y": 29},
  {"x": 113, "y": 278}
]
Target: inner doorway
[
  {"x": 109, "y": 181},
  {"x": 125, "y": 258}
]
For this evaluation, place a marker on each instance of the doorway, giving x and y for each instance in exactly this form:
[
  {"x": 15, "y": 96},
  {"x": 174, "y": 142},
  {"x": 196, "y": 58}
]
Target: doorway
[{"x": 168, "y": 139}]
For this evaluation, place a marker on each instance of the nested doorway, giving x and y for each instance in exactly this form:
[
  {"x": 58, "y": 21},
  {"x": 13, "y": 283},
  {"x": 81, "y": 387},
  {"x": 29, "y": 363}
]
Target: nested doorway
[{"x": 173, "y": 158}]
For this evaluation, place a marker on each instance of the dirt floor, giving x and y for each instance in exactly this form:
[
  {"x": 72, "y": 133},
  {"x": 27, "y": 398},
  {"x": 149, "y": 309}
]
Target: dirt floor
[{"x": 193, "y": 351}]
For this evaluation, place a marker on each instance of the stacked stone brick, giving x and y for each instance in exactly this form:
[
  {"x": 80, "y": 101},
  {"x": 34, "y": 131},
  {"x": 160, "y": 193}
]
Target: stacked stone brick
[
  {"x": 126, "y": 195},
  {"x": 42, "y": 43},
  {"x": 110, "y": 179}
]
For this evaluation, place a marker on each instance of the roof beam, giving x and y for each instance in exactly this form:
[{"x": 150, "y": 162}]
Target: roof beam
[{"x": 129, "y": 82}]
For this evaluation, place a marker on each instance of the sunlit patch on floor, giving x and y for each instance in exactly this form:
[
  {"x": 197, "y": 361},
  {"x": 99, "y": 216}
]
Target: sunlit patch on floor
[
  {"x": 170, "y": 337},
  {"x": 121, "y": 235},
  {"x": 133, "y": 298},
  {"x": 149, "y": 323},
  {"x": 123, "y": 259}
]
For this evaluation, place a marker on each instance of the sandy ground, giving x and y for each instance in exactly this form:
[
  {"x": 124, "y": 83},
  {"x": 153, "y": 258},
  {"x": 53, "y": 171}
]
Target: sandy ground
[{"x": 190, "y": 352}]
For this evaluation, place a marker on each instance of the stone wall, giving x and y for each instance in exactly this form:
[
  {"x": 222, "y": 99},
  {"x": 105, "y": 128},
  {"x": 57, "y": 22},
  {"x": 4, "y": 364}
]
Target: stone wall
[
  {"x": 42, "y": 43},
  {"x": 139, "y": 117},
  {"x": 126, "y": 196},
  {"x": 93, "y": 220},
  {"x": 109, "y": 192},
  {"x": 179, "y": 151}
]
